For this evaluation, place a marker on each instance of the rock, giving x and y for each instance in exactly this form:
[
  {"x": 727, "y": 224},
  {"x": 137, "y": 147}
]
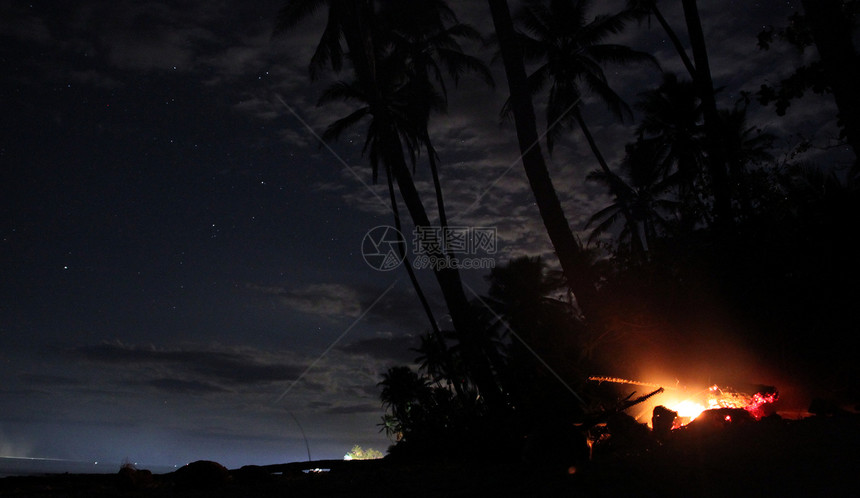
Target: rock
[
  {"x": 132, "y": 478},
  {"x": 717, "y": 418},
  {"x": 251, "y": 474},
  {"x": 662, "y": 421},
  {"x": 202, "y": 474}
]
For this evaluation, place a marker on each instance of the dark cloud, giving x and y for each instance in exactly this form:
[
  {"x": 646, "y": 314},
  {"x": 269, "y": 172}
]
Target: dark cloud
[
  {"x": 354, "y": 409},
  {"x": 230, "y": 367},
  {"x": 328, "y": 300},
  {"x": 184, "y": 386},
  {"x": 397, "y": 349},
  {"x": 40, "y": 379}
]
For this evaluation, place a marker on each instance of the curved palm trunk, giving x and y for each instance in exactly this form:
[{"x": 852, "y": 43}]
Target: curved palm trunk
[
  {"x": 637, "y": 239},
  {"x": 546, "y": 198},
  {"x": 412, "y": 278},
  {"x": 359, "y": 40},
  {"x": 417, "y": 286},
  {"x": 676, "y": 42},
  {"x": 447, "y": 276},
  {"x": 434, "y": 171}
]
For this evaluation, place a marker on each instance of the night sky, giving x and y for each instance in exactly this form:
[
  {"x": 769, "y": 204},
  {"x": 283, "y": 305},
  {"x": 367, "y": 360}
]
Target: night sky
[{"x": 181, "y": 275}]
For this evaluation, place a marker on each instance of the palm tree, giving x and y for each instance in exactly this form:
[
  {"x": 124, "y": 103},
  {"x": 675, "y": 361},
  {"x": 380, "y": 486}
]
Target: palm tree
[
  {"x": 347, "y": 19},
  {"x": 404, "y": 392},
  {"x": 394, "y": 105},
  {"x": 672, "y": 127},
  {"x": 433, "y": 359},
  {"x": 713, "y": 127},
  {"x": 641, "y": 203},
  {"x": 535, "y": 332},
  {"x": 745, "y": 145},
  {"x": 573, "y": 261},
  {"x": 700, "y": 72},
  {"x": 671, "y": 130},
  {"x": 521, "y": 293},
  {"x": 645, "y": 8},
  {"x": 571, "y": 54},
  {"x": 424, "y": 36}
]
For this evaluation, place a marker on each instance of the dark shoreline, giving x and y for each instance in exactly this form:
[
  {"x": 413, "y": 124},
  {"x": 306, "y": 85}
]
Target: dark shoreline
[{"x": 817, "y": 456}]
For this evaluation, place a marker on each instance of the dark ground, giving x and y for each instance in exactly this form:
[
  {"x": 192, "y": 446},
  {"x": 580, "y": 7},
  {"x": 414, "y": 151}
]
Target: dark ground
[{"x": 816, "y": 456}]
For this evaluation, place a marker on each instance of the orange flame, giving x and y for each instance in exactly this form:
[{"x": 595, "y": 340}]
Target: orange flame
[{"x": 717, "y": 397}]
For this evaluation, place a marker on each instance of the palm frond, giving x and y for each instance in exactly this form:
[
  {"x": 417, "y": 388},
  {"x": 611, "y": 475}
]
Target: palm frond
[
  {"x": 294, "y": 11},
  {"x": 336, "y": 129},
  {"x": 341, "y": 91}
]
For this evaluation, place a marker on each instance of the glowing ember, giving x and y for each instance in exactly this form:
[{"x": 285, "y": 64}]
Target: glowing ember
[
  {"x": 718, "y": 397},
  {"x": 715, "y": 397},
  {"x": 688, "y": 409}
]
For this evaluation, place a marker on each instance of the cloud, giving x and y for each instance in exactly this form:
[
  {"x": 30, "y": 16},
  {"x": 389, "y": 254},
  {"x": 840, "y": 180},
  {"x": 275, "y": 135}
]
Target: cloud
[
  {"x": 354, "y": 409},
  {"x": 329, "y": 300},
  {"x": 41, "y": 379},
  {"x": 22, "y": 25},
  {"x": 390, "y": 349},
  {"x": 184, "y": 386},
  {"x": 258, "y": 107},
  {"x": 209, "y": 366}
]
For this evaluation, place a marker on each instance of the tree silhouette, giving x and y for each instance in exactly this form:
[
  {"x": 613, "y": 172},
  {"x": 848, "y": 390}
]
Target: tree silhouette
[
  {"x": 745, "y": 146},
  {"x": 395, "y": 106},
  {"x": 538, "y": 334},
  {"x": 673, "y": 135},
  {"x": 645, "y": 9},
  {"x": 567, "y": 248},
  {"x": 831, "y": 26},
  {"x": 642, "y": 203},
  {"x": 713, "y": 127},
  {"x": 424, "y": 36},
  {"x": 671, "y": 132},
  {"x": 403, "y": 393},
  {"x": 699, "y": 70},
  {"x": 570, "y": 53}
]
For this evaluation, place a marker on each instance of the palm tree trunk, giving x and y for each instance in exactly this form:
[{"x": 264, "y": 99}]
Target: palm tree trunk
[
  {"x": 359, "y": 39},
  {"x": 434, "y": 325},
  {"x": 434, "y": 171},
  {"x": 446, "y": 274},
  {"x": 638, "y": 245},
  {"x": 412, "y": 278},
  {"x": 676, "y": 42},
  {"x": 591, "y": 143},
  {"x": 565, "y": 244},
  {"x": 713, "y": 127},
  {"x": 360, "y": 43}
]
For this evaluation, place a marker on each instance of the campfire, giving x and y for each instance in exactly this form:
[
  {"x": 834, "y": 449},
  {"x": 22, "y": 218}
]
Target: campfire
[{"x": 679, "y": 406}]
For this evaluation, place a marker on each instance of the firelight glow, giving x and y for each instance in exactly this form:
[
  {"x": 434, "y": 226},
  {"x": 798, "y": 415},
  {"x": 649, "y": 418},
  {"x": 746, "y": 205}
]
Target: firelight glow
[
  {"x": 688, "y": 409},
  {"x": 717, "y": 397}
]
